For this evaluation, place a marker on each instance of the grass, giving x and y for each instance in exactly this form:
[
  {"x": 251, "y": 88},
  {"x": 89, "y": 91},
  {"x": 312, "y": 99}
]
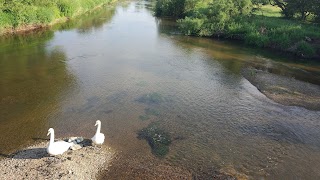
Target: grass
[
  {"x": 268, "y": 10},
  {"x": 276, "y": 33},
  {"x": 16, "y": 15}
]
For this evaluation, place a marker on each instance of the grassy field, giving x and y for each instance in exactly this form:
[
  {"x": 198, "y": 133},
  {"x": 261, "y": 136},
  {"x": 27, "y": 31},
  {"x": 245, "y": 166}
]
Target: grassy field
[
  {"x": 17, "y": 15},
  {"x": 267, "y": 10}
]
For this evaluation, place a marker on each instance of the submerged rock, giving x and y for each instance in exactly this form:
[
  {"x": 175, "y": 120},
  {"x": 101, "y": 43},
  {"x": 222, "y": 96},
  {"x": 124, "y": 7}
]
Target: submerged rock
[
  {"x": 144, "y": 117},
  {"x": 152, "y": 98},
  {"x": 158, "y": 139},
  {"x": 152, "y": 111}
]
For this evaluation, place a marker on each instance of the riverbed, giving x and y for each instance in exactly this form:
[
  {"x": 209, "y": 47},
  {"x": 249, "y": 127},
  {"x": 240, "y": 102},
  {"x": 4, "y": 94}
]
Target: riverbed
[{"x": 100, "y": 65}]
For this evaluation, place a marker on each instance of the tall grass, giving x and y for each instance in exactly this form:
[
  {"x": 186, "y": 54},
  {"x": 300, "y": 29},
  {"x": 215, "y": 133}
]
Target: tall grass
[{"x": 18, "y": 13}]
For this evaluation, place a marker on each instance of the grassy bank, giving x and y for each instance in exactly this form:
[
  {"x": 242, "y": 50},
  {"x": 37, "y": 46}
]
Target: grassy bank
[
  {"x": 281, "y": 34},
  {"x": 23, "y": 15},
  {"x": 257, "y": 25}
]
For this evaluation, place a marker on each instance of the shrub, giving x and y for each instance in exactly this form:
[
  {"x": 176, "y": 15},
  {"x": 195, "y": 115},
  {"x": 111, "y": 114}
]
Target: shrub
[
  {"x": 45, "y": 15},
  {"x": 257, "y": 39},
  {"x": 190, "y": 26},
  {"x": 67, "y": 8},
  {"x": 305, "y": 49},
  {"x": 6, "y": 20}
]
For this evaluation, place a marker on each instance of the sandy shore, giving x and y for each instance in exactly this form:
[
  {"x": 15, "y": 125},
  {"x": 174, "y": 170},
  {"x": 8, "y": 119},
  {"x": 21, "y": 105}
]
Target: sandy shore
[
  {"x": 34, "y": 163},
  {"x": 285, "y": 90}
]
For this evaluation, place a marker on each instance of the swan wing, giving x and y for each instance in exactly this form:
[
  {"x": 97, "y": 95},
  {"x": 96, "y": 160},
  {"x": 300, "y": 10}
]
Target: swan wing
[
  {"x": 58, "y": 147},
  {"x": 98, "y": 138}
]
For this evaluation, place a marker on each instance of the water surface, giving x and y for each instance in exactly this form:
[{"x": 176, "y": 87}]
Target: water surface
[{"x": 99, "y": 65}]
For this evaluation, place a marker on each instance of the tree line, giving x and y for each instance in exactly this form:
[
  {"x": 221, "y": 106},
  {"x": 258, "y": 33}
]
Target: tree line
[
  {"x": 236, "y": 19},
  {"x": 301, "y": 9}
]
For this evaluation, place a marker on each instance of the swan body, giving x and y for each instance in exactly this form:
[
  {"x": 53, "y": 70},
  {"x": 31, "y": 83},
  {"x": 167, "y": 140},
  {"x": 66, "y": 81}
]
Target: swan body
[
  {"x": 98, "y": 138},
  {"x": 56, "y": 148}
]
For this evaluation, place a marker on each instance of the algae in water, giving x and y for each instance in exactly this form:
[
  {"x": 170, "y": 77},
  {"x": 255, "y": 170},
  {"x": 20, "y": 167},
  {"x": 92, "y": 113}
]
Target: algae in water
[{"x": 157, "y": 138}]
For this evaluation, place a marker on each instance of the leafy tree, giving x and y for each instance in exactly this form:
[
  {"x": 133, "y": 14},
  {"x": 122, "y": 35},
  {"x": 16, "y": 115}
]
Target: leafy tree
[{"x": 302, "y": 8}]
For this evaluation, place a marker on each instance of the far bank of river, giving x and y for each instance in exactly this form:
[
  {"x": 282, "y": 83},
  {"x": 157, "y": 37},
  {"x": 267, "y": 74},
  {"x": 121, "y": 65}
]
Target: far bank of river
[{"x": 20, "y": 17}]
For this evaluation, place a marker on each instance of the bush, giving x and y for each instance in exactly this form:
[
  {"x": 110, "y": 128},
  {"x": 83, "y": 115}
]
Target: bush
[
  {"x": 257, "y": 39},
  {"x": 45, "y": 15},
  {"x": 6, "y": 20},
  {"x": 67, "y": 8},
  {"x": 305, "y": 49},
  {"x": 191, "y": 26}
]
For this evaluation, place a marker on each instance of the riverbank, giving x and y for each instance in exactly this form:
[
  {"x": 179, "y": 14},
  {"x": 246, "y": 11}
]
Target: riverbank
[
  {"x": 284, "y": 90},
  {"x": 269, "y": 30},
  {"x": 17, "y": 17},
  {"x": 34, "y": 163}
]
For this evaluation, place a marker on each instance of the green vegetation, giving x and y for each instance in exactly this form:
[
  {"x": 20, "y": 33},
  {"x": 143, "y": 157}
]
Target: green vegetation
[
  {"x": 267, "y": 10},
  {"x": 256, "y": 22},
  {"x": 20, "y": 14},
  {"x": 158, "y": 139}
]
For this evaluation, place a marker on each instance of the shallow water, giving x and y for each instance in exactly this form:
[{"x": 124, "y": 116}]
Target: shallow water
[{"x": 99, "y": 65}]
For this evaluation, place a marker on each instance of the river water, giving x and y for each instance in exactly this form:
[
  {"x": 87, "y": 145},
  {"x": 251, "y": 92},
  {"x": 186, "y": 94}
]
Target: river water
[{"x": 99, "y": 65}]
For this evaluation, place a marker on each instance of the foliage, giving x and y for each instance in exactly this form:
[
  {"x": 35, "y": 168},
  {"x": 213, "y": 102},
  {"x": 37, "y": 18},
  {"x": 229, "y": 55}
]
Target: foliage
[
  {"x": 241, "y": 19},
  {"x": 16, "y": 13},
  {"x": 158, "y": 139},
  {"x": 211, "y": 18},
  {"x": 305, "y": 49},
  {"x": 173, "y": 8},
  {"x": 298, "y": 8}
]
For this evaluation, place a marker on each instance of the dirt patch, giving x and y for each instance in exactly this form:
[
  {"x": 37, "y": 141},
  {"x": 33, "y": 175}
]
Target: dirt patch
[
  {"x": 34, "y": 163},
  {"x": 285, "y": 90}
]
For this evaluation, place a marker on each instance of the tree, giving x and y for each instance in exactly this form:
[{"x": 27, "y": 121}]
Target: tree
[{"x": 302, "y": 8}]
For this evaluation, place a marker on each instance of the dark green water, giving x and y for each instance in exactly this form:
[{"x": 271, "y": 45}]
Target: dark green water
[{"x": 99, "y": 65}]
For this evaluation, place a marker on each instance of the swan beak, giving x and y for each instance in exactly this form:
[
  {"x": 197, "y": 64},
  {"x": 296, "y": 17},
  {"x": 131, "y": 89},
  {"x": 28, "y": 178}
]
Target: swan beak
[
  {"x": 96, "y": 124},
  {"x": 48, "y": 133}
]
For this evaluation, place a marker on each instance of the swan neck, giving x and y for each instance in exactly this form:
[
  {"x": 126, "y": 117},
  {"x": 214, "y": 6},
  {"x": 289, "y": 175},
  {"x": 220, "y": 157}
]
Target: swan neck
[
  {"x": 51, "y": 137},
  {"x": 98, "y": 129}
]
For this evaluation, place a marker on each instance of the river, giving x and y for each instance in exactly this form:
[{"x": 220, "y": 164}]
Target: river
[{"x": 99, "y": 65}]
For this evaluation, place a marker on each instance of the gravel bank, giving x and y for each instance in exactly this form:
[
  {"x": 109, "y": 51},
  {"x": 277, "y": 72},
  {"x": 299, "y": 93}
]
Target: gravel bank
[
  {"x": 34, "y": 163},
  {"x": 285, "y": 90}
]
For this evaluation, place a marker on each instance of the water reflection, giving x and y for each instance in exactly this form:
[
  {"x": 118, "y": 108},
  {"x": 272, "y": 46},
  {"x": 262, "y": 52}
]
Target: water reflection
[
  {"x": 32, "y": 81},
  {"x": 36, "y": 77},
  {"x": 216, "y": 118},
  {"x": 234, "y": 56}
]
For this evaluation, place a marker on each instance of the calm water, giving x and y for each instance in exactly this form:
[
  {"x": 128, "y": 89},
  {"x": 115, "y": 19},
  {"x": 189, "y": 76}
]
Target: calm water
[{"x": 97, "y": 66}]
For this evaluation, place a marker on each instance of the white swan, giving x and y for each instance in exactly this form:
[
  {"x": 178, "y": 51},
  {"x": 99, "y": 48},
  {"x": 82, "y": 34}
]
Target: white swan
[
  {"x": 56, "y": 148},
  {"x": 98, "y": 138}
]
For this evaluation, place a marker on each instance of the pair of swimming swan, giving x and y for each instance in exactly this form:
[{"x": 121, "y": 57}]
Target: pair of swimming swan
[{"x": 59, "y": 147}]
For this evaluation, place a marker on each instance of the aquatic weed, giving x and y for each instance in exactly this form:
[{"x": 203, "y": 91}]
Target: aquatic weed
[
  {"x": 158, "y": 139},
  {"x": 152, "y": 98}
]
